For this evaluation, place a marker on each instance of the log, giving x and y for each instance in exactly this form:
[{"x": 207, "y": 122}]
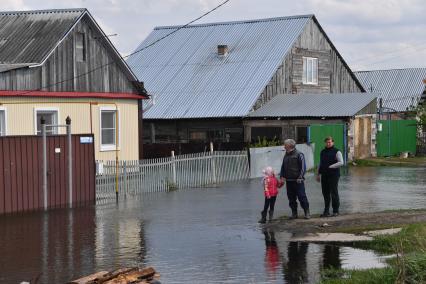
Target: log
[
  {"x": 88, "y": 278},
  {"x": 119, "y": 276}
]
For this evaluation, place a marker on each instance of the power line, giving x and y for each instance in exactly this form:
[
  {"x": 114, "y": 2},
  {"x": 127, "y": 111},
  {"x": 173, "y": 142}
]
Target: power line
[{"x": 137, "y": 51}]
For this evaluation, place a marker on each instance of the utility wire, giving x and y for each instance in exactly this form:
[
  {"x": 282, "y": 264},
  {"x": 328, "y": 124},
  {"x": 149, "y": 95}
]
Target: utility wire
[{"x": 137, "y": 51}]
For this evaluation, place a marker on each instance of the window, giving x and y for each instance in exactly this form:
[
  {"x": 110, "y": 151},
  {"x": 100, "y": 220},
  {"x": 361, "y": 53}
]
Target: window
[
  {"x": 80, "y": 47},
  {"x": 2, "y": 122},
  {"x": 301, "y": 134},
  {"x": 108, "y": 122},
  {"x": 51, "y": 118},
  {"x": 310, "y": 70}
]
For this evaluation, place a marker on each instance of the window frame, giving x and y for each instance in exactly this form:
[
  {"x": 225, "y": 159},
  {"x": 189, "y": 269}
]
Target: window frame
[
  {"x": 82, "y": 48},
  {"x": 5, "y": 121},
  {"x": 46, "y": 109},
  {"x": 305, "y": 70},
  {"x": 110, "y": 147}
]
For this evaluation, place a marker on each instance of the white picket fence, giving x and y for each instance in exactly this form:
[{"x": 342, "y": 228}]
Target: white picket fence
[{"x": 165, "y": 174}]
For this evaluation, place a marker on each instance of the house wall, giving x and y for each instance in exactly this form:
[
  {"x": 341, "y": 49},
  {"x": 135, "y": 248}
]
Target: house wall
[
  {"x": 62, "y": 67},
  {"x": 20, "y": 120},
  {"x": 333, "y": 75}
]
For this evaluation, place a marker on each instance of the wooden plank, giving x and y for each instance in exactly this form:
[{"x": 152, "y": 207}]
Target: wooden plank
[
  {"x": 24, "y": 173},
  {"x": 13, "y": 174},
  {"x": 31, "y": 173},
  {"x": 64, "y": 170},
  {"x": 2, "y": 188}
]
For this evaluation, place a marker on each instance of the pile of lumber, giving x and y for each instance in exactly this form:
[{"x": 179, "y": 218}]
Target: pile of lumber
[{"x": 133, "y": 275}]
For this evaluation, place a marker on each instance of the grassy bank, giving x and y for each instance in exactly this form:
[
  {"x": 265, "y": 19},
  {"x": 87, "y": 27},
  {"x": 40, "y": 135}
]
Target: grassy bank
[
  {"x": 391, "y": 161},
  {"x": 409, "y": 265}
]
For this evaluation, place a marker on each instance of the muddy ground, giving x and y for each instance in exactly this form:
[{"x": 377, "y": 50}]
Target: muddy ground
[{"x": 350, "y": 223}]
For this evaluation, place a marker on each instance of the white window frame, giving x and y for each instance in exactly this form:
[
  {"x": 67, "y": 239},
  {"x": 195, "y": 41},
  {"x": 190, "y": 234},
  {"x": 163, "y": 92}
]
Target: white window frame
[
  {"x": 109, "y": 147},
  {"x": 309, "y": 61},
  {"x": 51, "y": 109},
  {"x": 5, "y": 120}
]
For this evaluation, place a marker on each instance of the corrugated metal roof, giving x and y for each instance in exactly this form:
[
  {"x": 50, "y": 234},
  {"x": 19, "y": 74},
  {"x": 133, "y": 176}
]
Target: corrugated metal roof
[
  {"x": 8, "y": 67},
  {"x": 29, "y": 36},
  {"x": 314, "y": 105},
  {"x": 189, "y": 79},
  {"x": 399, "y": 88}
]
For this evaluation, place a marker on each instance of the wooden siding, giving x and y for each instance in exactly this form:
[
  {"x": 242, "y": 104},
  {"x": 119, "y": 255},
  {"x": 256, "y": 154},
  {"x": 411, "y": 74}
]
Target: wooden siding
[
  {"x": 333, "y": 75},
  {"x": 20, "y": 120},
  {"x": 61, "y": 66}
]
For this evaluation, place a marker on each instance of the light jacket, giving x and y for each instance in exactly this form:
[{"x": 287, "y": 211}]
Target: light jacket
[{"x": 270, "y": 186}]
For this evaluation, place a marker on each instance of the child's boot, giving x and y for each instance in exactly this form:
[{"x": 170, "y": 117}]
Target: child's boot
[
  {"x": 263, "y": 218},
  {"x": 271, "y": 215}
]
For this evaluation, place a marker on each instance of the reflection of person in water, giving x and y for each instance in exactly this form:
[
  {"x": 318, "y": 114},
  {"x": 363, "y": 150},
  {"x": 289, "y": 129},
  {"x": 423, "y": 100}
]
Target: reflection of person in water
[
  {"x": 272, "y": 254},
  {"x": 295, "y": 270},
  {"x": 331, "y": 257}
]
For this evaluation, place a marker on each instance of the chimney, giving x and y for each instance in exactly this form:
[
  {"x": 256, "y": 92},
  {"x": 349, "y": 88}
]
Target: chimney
[{"x": 222, "y": 50}]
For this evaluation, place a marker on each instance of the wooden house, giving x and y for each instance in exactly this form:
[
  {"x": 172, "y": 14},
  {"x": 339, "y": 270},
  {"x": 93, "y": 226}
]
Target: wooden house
[
  {"x": 59, "y": 63},
  {"x": 204, "y": 79}
]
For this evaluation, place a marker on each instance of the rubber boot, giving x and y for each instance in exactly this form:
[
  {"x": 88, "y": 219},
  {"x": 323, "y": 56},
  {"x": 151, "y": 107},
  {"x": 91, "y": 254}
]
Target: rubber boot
[
  {"x": 263, "y": 218},
  {"x": 293, "y": 214},
  {"x": 307, "y": 215},
  {"x": 271, "y": 215},
  {"x": 325, "y": 214}
]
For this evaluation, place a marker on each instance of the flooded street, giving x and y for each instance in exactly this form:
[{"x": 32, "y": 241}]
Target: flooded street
[{"x": 207, "y": 235}]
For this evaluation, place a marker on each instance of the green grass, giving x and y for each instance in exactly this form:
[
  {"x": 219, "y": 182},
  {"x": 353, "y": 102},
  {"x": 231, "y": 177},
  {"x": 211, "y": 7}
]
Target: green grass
[
  {"x": 409, "y": 266},
  {"x": 391, "y": 161}
]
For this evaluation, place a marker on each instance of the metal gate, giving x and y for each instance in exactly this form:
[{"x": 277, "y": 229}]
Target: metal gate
[{"x": 318, "y": 132}]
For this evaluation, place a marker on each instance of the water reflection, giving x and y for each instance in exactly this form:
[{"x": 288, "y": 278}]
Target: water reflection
[
  {"x": 295, "y": 266},
  {"x": 272, "y": 254},
  {"x": 331, "y": 256}
]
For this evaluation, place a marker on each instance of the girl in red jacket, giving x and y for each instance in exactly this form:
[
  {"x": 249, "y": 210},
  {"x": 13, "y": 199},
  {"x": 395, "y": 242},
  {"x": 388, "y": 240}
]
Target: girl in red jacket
[{"x": 270, "y": 189}]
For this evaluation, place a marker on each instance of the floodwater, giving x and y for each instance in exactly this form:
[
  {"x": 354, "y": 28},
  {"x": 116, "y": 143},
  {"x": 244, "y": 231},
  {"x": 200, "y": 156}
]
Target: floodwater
[{"x": 207, "y": 235}]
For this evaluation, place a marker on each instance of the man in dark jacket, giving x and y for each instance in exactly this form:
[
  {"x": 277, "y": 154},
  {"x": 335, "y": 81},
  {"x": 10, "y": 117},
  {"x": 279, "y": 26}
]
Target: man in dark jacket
[
  {"x": 293, "y": 172},
  {"x": 331, "y": 160}
]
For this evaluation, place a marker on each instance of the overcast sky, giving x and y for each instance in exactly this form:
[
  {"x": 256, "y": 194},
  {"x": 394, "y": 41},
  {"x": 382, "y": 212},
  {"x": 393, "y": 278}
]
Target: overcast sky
[{"x": 370, "y": 34}]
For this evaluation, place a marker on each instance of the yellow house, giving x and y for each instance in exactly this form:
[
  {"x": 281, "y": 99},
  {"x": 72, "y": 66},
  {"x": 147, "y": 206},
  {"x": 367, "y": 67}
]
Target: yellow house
[{"x": 59, "y": 63}]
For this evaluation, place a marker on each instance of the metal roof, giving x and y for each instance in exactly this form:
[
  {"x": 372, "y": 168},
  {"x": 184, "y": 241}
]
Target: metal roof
[
  {"x": 29, "y": 36},
  {"x": 314, "y": 105},
  {"x": 399, "y": 88},
  {"x": 8, "y": 67},
  {"x": 188, "y": 79}
]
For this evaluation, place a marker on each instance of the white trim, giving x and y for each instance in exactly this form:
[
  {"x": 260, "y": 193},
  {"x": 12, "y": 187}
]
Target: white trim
[
  {"x": 5, "y": 120},
  {"x": 109, "y": 147},
  {"x": 52, "y": 109}
]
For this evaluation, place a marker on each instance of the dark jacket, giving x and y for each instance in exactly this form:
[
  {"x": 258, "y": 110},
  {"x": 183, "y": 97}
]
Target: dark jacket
[
  {"x": 327, "y": 158},
  {"x": 293, "y": 166}
]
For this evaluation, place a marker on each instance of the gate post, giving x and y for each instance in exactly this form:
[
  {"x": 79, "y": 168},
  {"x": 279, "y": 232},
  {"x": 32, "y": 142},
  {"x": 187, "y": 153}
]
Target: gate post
[
  {"x": 44, "y": 166},
  {"x": 69, "y": 144}
]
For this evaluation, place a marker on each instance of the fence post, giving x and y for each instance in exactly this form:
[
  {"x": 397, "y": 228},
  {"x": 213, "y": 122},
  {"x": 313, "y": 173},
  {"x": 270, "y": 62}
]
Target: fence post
[
  {"x": 125, "y": 177},
  {"x": 173, "y": 167},
  {"x": 69, "y": 142},
  {"x": 44, "y": 146},
  {"x": 213, "y": 163}
]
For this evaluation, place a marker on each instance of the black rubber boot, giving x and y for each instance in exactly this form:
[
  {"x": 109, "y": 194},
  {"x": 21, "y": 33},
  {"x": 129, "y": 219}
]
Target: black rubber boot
[
  {"x": 263, "y": 218},
  {"x": 325, "y": 214},
  {"x": 293, "y": 214},
  {"x": 271, "y": 215},
  {"x": 307, "y": 214}
]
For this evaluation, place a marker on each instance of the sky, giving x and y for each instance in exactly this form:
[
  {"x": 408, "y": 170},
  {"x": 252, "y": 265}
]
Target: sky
[{"x": 369, "y": 34}]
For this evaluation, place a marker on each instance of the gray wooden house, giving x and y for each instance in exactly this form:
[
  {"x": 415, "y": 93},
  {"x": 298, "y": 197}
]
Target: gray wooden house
[
  {"x": 204, "y": 79},
  {"x": 59, "y": 63}
]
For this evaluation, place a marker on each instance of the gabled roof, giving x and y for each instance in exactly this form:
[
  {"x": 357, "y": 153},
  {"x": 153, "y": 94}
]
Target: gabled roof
[
  {"x": 398, "y": 88},
  {"x": 189, "y": 80},
  {"x": 28, "y": 38},
  {"x": 314, "y": 105}
]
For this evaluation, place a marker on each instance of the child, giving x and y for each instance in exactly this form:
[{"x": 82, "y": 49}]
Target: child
[{"x": 270, "y": 188}]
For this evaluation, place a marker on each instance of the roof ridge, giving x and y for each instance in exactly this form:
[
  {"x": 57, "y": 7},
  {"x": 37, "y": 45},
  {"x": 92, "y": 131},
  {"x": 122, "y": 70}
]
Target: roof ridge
[
  {"x": 238, "y": 22},
  {"x": 391, "y": 69},
  {"x": 45, "y": 11}
]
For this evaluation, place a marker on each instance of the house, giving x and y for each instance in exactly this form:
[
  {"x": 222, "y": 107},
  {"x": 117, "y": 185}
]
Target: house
[
  {"x": 399, "y": 90},
  {"x": 204, "y": 79},
  {"x": 59, "y": 63},
  {"x": 349, "y": 118}
]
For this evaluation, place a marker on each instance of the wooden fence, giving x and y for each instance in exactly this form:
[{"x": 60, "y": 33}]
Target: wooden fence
[
  {"x": 164, "y": 174},
  {"x": 21, "y": 173}
]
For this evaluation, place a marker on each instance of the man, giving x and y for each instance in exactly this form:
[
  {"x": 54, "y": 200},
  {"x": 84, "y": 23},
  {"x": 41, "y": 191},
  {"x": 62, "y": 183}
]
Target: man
[
  {"x": 293, "y": 172},
  {"x": 331, "y": 160}
]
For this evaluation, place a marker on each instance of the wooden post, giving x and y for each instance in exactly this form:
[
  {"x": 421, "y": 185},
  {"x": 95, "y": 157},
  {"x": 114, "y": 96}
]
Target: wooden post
[
  {"x": 174, "y": 167},
  {"x": 44, "y": 143},
  {"x": 69, "y": 144},
  {"x": 213, "y": 163}
]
